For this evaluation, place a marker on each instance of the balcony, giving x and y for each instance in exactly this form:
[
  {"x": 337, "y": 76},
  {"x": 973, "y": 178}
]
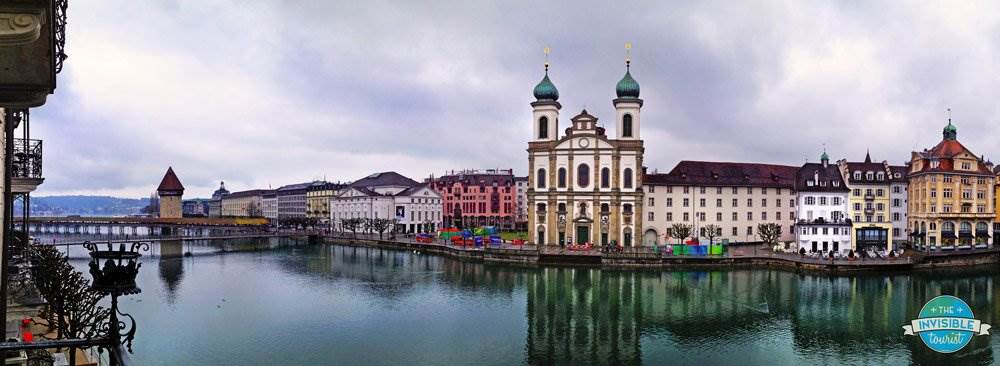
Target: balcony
[
  {"x": 869, "y": 196},
  {"x": 26, "y": 167}
]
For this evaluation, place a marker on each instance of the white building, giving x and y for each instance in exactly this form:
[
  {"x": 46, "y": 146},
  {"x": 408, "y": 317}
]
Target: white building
[
  {"x": 269, "y": 205},
  {"x": 415, "y": 207},
  {"x": 521, "y": 199},
  {"x": 823, "y": 200},
  {"x": 898, "y": 185},
  {"x": 585, "y": 186}
]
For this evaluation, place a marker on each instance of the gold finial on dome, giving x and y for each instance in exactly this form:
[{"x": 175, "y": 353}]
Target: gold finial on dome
[
  {"x": 546, "y": 50},
  {"x": 628, "y": 56}
]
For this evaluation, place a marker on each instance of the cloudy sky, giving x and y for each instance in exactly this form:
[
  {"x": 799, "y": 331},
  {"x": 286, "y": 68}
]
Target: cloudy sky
[{"x": 266, "y": 93}]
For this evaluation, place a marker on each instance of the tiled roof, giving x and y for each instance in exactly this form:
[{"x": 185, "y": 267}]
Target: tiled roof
[
  {"x": 864, "y": 168},
  {"x": 706, "y": 173},
  {"x": 293, "y": 187},
  {"x": 249, "y": 193},
  {"x": 829, "y": 178},
  {"x": 170, "y": 183},
  {"x": 944, "y": 152},
  {"x": 903, "y": 172},
  {"x": 384, "y": 179}
]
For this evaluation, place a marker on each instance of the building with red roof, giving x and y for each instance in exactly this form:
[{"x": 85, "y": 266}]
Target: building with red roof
[
  {"x": 950, "y": 196},
  {"x": 171, "y": 192}
]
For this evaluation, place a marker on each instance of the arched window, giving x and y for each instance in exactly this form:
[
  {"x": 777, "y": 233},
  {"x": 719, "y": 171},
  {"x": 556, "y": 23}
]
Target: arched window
[
  {"x": 561, "y": 207},
  {"x": 583, "y": 175},
  {"x": 948, "y": 227},
  {"x": 605, "y": 208},
  {"x": 605, "y": 177},
  {"x": 627, "y": 125},
  {"x": 627, "y": 178},
  {"x": 982, "y": 227},
  {"x": 541, "y": 178},
  {"x": 541, "y": 235},
  {"x": 966, "y": 227},
  {"x": 562, "y": 177},
  {"x": 543, "y": 127}
]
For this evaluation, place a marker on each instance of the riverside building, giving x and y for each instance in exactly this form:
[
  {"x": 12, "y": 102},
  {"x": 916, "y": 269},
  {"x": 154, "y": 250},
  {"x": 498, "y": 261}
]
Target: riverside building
[
  {"x": 871, "y": 221},
  {"x": 585, "y": 186},
  {"x": 951, "y": 196},
  {"x": 473, "y": 198},
  {"x": 822, "y": 195},
  {"x": 735, "y": 197}
]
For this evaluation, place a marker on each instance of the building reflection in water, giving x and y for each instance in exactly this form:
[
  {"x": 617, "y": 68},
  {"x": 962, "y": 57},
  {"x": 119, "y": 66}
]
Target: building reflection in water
[
  {"x": 171, "y": 263},
  {"x": 592, "y": 316}
]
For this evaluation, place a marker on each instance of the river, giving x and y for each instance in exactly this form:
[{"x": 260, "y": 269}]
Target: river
[{"x": 337, "y": 305}]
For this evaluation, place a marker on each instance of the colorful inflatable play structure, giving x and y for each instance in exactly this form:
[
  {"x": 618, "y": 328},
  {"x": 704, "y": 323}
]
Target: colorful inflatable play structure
[
  {"x": 480, "y": 236},
  {"x": 694, "y": 248}
]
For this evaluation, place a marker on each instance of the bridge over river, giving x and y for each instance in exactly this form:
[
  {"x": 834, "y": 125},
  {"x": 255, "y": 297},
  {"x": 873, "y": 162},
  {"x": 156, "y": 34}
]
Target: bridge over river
[{"x": 106, "y": 228}]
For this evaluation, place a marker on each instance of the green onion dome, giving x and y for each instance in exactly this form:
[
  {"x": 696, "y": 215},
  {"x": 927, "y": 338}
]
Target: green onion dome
[
  {"x": 950, "y": 131},
  {"x": 545, "y": 90},
  {"x": 824, "y": 156},
  {"x": 627, "y": 87}
]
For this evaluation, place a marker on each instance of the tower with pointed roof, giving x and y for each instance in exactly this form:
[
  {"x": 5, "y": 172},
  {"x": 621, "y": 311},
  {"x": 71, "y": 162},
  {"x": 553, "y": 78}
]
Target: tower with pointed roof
[
  {"x": 171, "y": 193},
  {"x": 584, "y": 186}
]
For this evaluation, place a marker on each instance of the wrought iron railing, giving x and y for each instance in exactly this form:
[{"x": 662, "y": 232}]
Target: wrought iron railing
[{"x": 27, "y": 159}]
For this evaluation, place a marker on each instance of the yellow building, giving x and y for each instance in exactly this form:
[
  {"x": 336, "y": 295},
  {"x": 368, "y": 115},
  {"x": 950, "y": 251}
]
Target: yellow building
[
  {"x": 951, "y": 196},
  {"x": 869, "y": 202},
  {"x": 318, "y": 199},
  {"x": 244, "y": 204}
]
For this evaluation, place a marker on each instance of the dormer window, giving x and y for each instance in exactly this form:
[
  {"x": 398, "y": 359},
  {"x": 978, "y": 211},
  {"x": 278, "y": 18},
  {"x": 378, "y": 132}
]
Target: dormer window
[
  {"x": 809, "y": 183},
  {"x": 857, "y": 175},
  {"x": 966, "y": 165},
  {"x": 869, "y": 175},
  {"x": 836, "y": 183},
  {"x": 881, "y": 176}
]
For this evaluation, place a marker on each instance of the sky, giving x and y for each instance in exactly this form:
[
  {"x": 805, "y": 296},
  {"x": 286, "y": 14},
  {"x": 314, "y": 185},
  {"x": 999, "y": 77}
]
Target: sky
[{"x": 266, "y": 93}]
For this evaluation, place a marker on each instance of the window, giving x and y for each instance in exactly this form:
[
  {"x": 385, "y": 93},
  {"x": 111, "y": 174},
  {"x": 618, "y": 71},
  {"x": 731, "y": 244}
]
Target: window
[
  {"x": 946, "y": 179},
  {"x": 822, "y": 200},
  {"x": 718, "y": 190},
  {"x": 857, "y": 176},
  {"x": 966, "y": 194},
  {"x": 701, "y": 202},
  {"x": 718, "y": 202},
  {"x": 881, "y": 176},
  {"x": 543, "y": 127},
  {"x": 857, "y": 192},
  {"x": 541, "y": 178},
  {"x": 880, "y": 218},
  {"x": 895, "y": 216},
  {"x": 966, "y": 166},
  {"x": 670, "y": 216},
  {"x": 701, "y": 216},
  {"x": 791, "y": 203},
  {"x": 687, "y": 217},
  {"x": 686, "y": 190},
  {"x": 627, "y": 208},
  {"x": 981, "y": 194},
  {"x": 749, "y": 190},
  {"x": 749, "y": 230},
  {"x": 651, "y": 204},
  {"x": 749, "y": 202},
  {"x": 718, "y": 216},
  {"x": 583, "y": 176},
  {"x": 735, "y": 202},
  {"x": 778, "y": 214},
  {"x": 735, "y": 217},
  {"x": 763, "y": 216},
  {"x": 628, "y": 177},
  {"x": 734, "y": 192},
  {"x": 735, "y": 231},
  {"x": 880, "y": 206},
  {"x": 836, "y": 201},
  {"x": 777, "y": 203},
  {"x": 627, "y": 125},
  {"x": 895, "y": 189},
  {"x": 686, "y": 202},
  {"x": 810, "y": 200},
  {"x": 606, "y": 178},
  {"x": 670, "y": 202},
  {"x": 749, "y": 216},
  {"x": 561, "y": 177},
  {"x": 650, "y": 216},
  {"x": 895, "y": 202},
  {"x": 650, "y": 189},
  {"x": 701, "y": 190},
  {"x": 933, "y": 193},
  {"x": 763, "y": 202},
  {"x": 880, "y": 192},
  {"x": 947, "y": 193}
]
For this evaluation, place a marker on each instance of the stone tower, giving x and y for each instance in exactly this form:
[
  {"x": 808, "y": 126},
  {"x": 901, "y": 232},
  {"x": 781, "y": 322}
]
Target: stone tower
[{"x": 170, "y": 190}]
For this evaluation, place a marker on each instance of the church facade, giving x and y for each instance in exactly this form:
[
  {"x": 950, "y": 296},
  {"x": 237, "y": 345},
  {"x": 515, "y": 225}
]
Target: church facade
[{"x": 585, "y": 186}]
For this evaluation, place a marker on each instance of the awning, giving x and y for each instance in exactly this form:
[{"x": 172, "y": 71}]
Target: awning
[
  {"x": 965, "y": 234},
  {"x": 948, "y": 235},
  {"x": 982, "y": 234}
]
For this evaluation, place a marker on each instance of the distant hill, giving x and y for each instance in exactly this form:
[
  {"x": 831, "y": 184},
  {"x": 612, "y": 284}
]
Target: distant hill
[{"x": 83, "y": 206}]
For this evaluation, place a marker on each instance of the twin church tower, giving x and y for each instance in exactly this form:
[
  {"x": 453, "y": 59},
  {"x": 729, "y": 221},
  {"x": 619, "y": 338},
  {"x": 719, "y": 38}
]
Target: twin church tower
[{"x": 585, "y": 187}]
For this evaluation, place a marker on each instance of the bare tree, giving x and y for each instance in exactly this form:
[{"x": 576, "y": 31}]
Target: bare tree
[
  {"x": 680, "y": 231},
  {"x": 351, "y": 225},
  {"x": 712, "y": 231},
  {"x": 769, "y": 233},
  {"x": 380, "y": 226},
  {"x": 73, "y": 310}
]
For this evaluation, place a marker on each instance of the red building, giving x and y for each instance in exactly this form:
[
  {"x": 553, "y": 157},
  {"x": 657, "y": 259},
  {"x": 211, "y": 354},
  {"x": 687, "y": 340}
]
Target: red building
[{"x": 474, "y": 198}]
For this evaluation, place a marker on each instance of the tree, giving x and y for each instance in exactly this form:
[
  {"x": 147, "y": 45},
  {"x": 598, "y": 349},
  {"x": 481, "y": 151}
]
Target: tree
[
  {"x": 254, "y": 210},
  {"x": 381, "y": 225},
  {"x": 351, "y": 225},
  {"x": 769, "y": 233},
  {"x": 712, "y": 231},
  {"x": 680, "y": 232},
  {"x": 72, "y": 306}
]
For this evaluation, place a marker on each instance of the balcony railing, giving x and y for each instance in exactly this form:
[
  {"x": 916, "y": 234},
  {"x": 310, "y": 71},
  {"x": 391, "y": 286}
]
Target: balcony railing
[{"x": 27, "y": 159}]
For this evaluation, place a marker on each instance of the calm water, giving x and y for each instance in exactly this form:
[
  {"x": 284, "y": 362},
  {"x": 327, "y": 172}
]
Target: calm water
[{"x": 326, "y": 305}]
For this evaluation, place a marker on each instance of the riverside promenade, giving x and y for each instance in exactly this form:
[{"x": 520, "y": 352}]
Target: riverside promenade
[{"x": 646, "y": 258}]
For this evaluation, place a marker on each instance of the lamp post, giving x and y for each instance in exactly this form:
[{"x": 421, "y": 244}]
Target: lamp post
[{"x": 116, "y": 277}]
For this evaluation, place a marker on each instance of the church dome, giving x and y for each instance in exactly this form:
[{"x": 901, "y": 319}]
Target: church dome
[
  {"x": 627, "y": 87},
  {"x": 545, "y": 90},
  {"x": 950, "y": 132}
]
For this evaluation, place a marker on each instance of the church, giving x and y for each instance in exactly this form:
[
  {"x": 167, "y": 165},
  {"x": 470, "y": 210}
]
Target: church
[{"x": 585, "y": 186}]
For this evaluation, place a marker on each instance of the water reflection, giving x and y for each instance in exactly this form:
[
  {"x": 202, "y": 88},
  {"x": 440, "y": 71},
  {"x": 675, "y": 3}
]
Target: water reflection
[
  {"x": 394, "y": 300},
  {"x": 171, "y": 263}
]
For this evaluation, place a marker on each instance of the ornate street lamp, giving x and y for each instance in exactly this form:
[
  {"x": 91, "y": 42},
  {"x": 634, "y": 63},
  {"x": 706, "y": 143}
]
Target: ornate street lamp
[{"x": 114, "y": 273}]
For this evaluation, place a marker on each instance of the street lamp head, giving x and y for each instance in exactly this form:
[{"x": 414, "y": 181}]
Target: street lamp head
[{"x": 114, "y": 271}]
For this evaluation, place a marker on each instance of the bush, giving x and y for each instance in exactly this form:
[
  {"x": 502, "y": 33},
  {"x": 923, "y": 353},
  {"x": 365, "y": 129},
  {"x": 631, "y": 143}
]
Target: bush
[{"x": 802, "y": 251}]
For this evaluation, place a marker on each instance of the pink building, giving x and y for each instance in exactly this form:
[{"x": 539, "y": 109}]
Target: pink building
[{"x": 472, "y": 198}]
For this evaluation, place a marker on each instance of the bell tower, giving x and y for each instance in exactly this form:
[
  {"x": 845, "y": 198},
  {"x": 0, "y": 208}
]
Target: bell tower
[
  {"x": 628, "y": 104},
  {"x": 545, "y": 108}
]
